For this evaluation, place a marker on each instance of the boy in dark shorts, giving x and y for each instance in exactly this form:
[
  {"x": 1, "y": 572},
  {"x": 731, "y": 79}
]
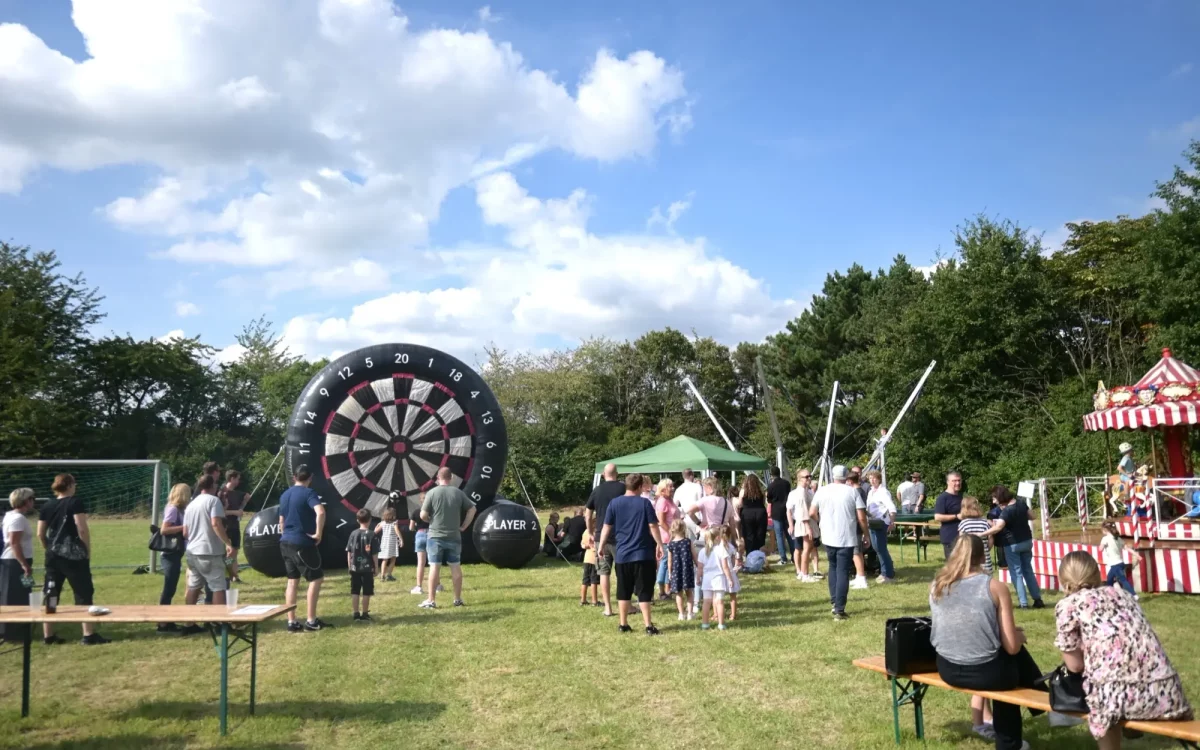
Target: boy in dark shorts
[
  {"x": 591, "y": 577},
  {"x": 360, "y": 561}
]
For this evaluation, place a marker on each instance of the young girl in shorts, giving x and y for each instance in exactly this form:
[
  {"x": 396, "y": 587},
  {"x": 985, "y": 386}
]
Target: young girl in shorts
[
  {"x": 390, "y": 543},
  {"x": 735, "y": 583},
  {"x": 681, "y": 562},
  {"x": 715, "y": 575}
]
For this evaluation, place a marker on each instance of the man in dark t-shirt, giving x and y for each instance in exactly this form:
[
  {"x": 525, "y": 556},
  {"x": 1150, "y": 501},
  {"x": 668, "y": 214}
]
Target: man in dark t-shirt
[
  {"x": 596, "y": 511},
  {"x": 777, "y": 495},
  {"x": 234, "y": 501},
  {"x": 576, "y": 529},
  {"x": 630, "y": 520},
  {"x": 946, "y": 509},
  {"x": 302, "y": 526}
]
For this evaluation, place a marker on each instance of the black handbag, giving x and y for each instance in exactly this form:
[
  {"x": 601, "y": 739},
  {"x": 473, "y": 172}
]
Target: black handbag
[
  {"x": 906, "y": 646},
  {"x": 63, "y": 545},
  {"x": 160, "y": 542},
  {"x": 1066, "y": 690}
]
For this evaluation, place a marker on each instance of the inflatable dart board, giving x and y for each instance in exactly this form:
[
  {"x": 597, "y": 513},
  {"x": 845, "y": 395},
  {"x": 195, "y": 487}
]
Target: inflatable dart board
[{"x": 384, "y": 419}]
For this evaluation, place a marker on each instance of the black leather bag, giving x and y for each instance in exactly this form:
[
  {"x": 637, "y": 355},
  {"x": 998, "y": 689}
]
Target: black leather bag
[
  {"x": 906, "y": 646},
  {"x": 160, "y": 542},
  {"x": 1066, "y": 690}
]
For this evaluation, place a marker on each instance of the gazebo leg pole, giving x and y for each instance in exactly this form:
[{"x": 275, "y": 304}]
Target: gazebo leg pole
[{"x": 1107, "y": 477}]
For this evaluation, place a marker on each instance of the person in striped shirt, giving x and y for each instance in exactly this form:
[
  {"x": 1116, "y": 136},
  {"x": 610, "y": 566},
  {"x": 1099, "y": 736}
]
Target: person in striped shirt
[{"x": 973, "y": 522}]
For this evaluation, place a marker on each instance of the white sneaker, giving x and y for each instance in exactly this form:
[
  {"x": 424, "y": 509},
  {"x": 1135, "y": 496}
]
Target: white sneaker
[
  {"x": 690, "y": 615},
  {"x": 427, "y": 605},
  {"x": 807, "y": 579},
  {"x": 416, "y": 590},
  {"x": 881, "y": 579},
  {"x": 859, "y": 583},
  {"x": 720, "y": 627},
  {"x": 681, "y": 617},
  {"x": 1063, "y": 720},
  {"x": 884, "y": 581}
]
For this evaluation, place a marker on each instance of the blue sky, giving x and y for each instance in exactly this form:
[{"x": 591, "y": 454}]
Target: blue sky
[{"x": 795, "y": 138}]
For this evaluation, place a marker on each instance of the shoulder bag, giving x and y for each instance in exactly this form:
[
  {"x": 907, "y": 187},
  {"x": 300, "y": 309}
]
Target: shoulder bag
[
  {"x": 63, "y": 545},
  {"x": 168, "y": 543},
  {"x": 1066, "y": 690}
]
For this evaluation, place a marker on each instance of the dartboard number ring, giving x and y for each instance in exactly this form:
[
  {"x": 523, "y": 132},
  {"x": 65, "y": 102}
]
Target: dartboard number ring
[{"x": 387, "y": 418}]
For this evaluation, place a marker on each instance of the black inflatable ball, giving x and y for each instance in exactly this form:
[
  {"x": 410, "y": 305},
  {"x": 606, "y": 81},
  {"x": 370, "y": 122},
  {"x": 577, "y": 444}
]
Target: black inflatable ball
[
  {"x": 507, "y": 535},
  {"x": 260, "y": 543}
]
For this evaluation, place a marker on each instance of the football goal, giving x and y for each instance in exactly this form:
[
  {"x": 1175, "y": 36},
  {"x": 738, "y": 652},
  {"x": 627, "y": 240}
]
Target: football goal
[{"x": 122, "y": 499}]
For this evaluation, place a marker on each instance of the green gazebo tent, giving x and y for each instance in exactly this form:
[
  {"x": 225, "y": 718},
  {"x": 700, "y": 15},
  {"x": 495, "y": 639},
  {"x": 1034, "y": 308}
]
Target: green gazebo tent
[{"x": 682, "y": 453}]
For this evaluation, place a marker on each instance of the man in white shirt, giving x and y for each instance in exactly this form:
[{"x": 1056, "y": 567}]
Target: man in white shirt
[
  {"x": 207, "y": 546},
  {"x": 688, "y": 493},
  {"x": 911, "y": 494},
  {"x": 842, "y": 515}
]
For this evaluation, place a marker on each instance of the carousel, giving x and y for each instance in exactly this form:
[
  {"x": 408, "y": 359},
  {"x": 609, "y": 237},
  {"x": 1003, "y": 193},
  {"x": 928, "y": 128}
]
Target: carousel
[{"x": 1152, "y": 499}]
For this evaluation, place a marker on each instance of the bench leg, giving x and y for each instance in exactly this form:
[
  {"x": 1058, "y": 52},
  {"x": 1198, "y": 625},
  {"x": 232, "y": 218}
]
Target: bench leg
[
  {"x": 908, "y": 692},
  {"x": 1189, "y": 744}
]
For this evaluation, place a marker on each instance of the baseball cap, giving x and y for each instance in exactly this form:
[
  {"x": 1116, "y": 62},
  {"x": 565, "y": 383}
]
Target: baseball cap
[{"x": 839, "y": 472}]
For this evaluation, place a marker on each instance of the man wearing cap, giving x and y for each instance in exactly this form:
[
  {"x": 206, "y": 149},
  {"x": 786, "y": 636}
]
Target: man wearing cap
[
  {"x": 302, "y": 526},
  {"x": 842, "y": 516}
]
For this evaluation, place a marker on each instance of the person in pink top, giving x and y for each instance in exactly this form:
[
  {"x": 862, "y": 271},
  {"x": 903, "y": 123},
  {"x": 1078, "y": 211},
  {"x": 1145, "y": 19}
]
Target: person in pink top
[
  {"x": 667, "y": 511},
  {"x": 715, "y": 510}
]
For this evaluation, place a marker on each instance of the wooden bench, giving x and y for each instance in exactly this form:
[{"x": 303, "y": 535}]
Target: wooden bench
[{"x": 910, "y": 690}]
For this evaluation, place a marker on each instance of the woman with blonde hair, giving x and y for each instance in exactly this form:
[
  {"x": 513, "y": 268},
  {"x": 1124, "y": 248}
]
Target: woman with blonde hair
[
  {"x": 667, "y": 511},
  {"x": 172, "y": 562},
  {"x": 979, "y": 646},
  {"x": 16, "y": 560},
  {"x": 1103, "y": 633}
]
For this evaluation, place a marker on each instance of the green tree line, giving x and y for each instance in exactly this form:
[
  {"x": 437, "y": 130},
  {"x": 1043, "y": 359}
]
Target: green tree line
[{"x": 1021, "y": 333}]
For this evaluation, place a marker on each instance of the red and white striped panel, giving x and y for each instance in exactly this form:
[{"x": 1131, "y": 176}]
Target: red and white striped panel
[
  {"x": 1048, "y": 556},
  {"x": 1142, "y": 417},
  {"x": 1168, "y": 370},
  {"x": 1181, "y": 530},
  {"x": 1177, "y": 570}
]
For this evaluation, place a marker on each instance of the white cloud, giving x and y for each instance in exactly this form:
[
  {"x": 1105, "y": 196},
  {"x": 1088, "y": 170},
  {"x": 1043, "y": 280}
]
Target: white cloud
[
  {"x": 1181, "y": 70},
  {"x": 674, "y": 211},
  {"x": 1180, "y": 132},
  {"x": 309, "y": 131},
  {"x": 932, "y": 268},
  {"x": 228, "y": 355},
  {"x": 555, "y": 277},
  {"x": 185, "y": 309},
  {"x": 486, "y": 15},
  {"x": 170, "y": 336}
]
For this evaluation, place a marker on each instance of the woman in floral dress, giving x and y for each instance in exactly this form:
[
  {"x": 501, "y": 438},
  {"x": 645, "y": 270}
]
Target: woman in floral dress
[{"x": 1103, "y": 633}]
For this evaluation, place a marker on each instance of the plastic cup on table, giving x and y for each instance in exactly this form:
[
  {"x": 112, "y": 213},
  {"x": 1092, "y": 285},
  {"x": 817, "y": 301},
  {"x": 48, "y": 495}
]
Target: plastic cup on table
[
  {"x": 231, "y": 598},
  {"x": 35, "y": 600}
]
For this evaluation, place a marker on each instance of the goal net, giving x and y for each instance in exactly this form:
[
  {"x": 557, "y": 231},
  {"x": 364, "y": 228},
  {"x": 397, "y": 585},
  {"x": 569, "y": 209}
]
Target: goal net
[{"x": 119, "y": 497}]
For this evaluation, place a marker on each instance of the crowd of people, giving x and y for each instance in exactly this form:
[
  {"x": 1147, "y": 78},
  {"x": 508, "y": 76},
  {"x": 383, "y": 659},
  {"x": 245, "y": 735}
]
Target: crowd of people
[
  {"x": 688, "y": 545},
  {"x": 205, "y": 518}
]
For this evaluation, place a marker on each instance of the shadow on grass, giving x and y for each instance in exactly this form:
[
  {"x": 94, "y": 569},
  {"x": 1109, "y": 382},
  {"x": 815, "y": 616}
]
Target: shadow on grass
[
  {"x": 383, "y": 712},
  {"x": 447, "y": 615},
  {"x": 140, "y": 742}
]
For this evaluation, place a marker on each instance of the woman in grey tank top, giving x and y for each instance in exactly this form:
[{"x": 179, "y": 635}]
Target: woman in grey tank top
[{"x": 979, "y": 646}]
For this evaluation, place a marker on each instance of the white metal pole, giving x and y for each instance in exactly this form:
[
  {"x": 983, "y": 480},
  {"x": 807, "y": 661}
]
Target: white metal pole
[
  {"x": 903, "y": 410},
  {"x": 154, "y": 511},
  {"x": 708, "y": 411},
  {"x": 826, "y": 463}
]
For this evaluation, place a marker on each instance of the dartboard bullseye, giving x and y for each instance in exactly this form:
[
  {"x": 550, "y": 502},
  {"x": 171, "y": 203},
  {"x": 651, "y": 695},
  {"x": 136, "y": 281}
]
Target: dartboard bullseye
[{"x": 385, "y": 419}]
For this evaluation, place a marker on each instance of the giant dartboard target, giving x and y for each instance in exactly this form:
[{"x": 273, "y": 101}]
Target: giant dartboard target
[{"x": 385, "y": 419}]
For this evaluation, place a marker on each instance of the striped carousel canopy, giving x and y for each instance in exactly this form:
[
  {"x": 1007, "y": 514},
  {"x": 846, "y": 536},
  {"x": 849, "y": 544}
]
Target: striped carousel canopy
[{"x": 1168, "y": 395}]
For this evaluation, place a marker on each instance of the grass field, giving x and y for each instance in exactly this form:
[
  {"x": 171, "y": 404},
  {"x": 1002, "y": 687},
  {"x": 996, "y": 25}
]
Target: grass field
[{"x": 522, "y": 666}]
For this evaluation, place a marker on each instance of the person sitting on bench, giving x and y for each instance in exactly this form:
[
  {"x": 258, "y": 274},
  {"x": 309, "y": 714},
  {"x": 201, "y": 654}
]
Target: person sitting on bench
[
  {"x": 1103, "y": 633},
  {"x": 979, "y": 646}
]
